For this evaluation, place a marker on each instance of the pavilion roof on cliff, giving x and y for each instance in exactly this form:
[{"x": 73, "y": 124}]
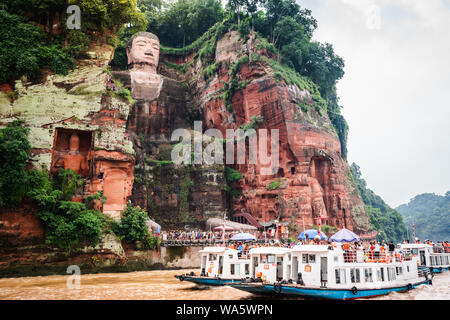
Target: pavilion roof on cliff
[{"x": 217, "y": 222}]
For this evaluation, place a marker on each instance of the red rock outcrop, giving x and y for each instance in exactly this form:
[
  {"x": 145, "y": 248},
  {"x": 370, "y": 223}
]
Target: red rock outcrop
[{"x": 312, "y": 179}]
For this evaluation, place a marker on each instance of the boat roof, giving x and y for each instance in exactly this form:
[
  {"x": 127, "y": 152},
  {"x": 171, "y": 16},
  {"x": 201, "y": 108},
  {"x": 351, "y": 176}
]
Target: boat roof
[
  {"x": 268, "y": 250},
  {"x": 415, "y": 245},
  {"x": 311, "y": 248},
  {"x": 217, "y": 250}
]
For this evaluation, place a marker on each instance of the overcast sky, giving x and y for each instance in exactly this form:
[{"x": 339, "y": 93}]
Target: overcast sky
[{"x": 395, "y": 91}]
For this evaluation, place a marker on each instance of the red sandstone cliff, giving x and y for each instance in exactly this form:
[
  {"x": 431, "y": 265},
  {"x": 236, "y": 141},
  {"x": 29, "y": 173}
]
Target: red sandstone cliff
[{"x": 314, "y": 180}]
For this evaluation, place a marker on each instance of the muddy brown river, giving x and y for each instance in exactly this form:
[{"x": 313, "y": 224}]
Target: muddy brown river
[{"x": 161, "y": 285}]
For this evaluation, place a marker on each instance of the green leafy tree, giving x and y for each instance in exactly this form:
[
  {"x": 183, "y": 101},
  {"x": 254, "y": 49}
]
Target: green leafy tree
[
  {"x": 133, "y": 227},
  {"x": 110, "y": 14},
  {"x": 184, "y": 21},
  {"x": 24, "y": 50},
  {"x": 430, "y": 214},
  {"x": 14, "y": 153},
  {"x": 69, "y": 225}
]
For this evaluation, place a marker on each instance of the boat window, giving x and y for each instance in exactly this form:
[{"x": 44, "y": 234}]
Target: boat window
[
  {"x": 212, "y": 257},
  {"x": 232, "y": 269},
  {"x": 354, "y": 275},
  {"x": 380, "y": 274},
  {"x": 247, "y": 269},
  {"x": 340, "y": 276},
  {"x": 407, "y": 268},
  {"x": 391, "y": 274},
  {"x": 368, "y": 275},
  {"x": 308, "y": 258},
  {"x": 304, "y": 258},
  {"x": 415, "y": 251},
  {"x": 238, "y": 269},
  {"x": 270, "y": 258},
  {"x": 230, "y": 256},
  {"x": 289, "y": 257},
  {"x": 399, "y": 270},
  {"x": 264, "y": 258}
]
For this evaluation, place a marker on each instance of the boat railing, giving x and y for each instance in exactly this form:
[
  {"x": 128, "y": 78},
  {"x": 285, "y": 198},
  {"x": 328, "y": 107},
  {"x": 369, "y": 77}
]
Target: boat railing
[
  {"x": 203, "y": 242},
  {"x": 360, "y": 256},
  {"x": 440, "y": 250}
]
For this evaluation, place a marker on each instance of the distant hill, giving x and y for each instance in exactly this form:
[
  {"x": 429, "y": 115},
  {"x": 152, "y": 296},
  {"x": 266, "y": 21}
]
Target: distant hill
[
  {"x": 431, "y": 214},
  {"x": 387, "y": 221}
]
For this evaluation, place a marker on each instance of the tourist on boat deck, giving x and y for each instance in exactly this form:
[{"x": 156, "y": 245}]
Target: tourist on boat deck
[
  {"x": 377, "y": 250},
  {"x": 391, "y": 248}
]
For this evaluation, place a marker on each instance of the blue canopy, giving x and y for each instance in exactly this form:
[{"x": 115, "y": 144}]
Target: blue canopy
[
  {"x": 243, "y": 237},
  {"x": 311, "y": 233},
  {"x": 344, "y": 235}
]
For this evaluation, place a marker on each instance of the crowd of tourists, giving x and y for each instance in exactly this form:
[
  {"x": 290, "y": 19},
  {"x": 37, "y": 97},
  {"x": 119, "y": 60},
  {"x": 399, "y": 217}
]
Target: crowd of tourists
[
  {"x": 203, "y": 236},
  {"x": 369, "y": 251}
]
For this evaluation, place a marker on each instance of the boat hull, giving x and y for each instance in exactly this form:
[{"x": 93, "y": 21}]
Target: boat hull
[
  {"x": 208, "y": 281},
  {"x": 439, "y": 269},
  {"x": 321, "y": 293}
]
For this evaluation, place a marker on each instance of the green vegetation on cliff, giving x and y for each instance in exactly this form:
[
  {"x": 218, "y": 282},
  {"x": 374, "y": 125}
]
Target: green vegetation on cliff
[
  {"x": 30, "y": 41},
  {"x": 284, "y": 29},
  {"x": 388, "y": 222},
  {"x": 430, "y": 214},
  {"x": 68, "y": 225},
  {"x": 14, "y": 149},
  {"x": 24, "y": 50},
  {"x": 133, "y": 227}
]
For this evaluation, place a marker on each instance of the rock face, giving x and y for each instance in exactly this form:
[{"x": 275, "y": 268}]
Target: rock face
[
  {"x": 126, "y": 148},
  {"x": 312, "y": 179},
  {"x": 173, "y": 195},
  {"x": 78, "y": 105}
]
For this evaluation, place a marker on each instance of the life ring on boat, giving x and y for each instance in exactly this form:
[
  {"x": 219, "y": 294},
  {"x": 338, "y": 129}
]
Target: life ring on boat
[
  {"x": 409, "y": 286},
  {"x": 181, "y": 278},
  {"x": 355, "y": 291},
  {"x": 277, "y": 287}
]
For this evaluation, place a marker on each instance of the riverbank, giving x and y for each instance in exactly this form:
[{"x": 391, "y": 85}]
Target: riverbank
[{"x": 111, "y": 256}]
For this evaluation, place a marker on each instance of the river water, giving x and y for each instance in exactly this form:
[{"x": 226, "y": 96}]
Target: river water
[{"x": 160, "y": 285}]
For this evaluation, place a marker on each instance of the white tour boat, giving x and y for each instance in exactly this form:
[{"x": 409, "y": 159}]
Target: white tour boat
[
  {"x": 429, "y": 257},
  {"x": 220, "y": 266},
  {"x": 321, "y": 271}
]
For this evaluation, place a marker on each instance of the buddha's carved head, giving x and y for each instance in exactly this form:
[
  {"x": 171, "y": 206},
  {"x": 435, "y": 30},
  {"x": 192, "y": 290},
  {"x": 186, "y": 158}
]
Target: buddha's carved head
[
  {"x": 143, "y": 51},
  {"x": 74, "y": 142}
]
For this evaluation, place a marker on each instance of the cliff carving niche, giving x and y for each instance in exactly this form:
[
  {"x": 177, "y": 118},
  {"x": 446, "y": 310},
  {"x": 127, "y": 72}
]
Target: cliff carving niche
[
  {"x": 72, "y": 150},
  {"x": 172, "y": 194}
]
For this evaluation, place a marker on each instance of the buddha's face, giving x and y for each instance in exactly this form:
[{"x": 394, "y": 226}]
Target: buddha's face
[
  {"x": 74, "y": 142},
  {"x": 144, "y": 51}
]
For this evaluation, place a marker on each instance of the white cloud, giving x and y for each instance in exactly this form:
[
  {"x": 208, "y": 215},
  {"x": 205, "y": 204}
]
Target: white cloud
[{"x": 395, "y": 91}]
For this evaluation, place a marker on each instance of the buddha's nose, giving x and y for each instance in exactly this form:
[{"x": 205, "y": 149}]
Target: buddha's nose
[{"x": 148, "y": 53}]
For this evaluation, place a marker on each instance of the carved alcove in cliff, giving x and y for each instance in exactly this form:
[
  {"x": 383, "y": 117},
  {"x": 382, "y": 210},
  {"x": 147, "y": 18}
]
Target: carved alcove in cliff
[
  {"x": 320, "y": 172},
  {"x": 71, "y": 150}
]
